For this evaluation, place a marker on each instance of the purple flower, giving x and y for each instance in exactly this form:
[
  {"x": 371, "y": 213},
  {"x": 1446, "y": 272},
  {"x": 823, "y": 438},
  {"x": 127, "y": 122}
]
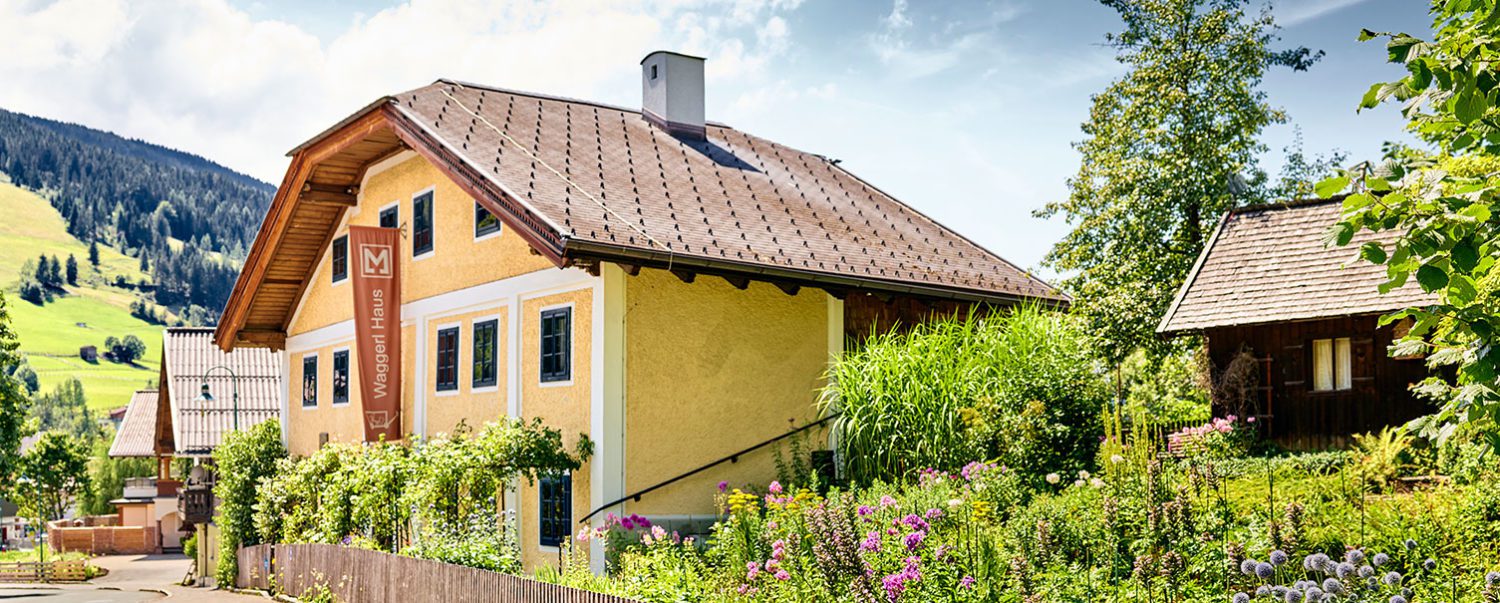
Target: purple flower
[
  {"x": 723, "y": 486},
  {"x": 1430, "y": 564},
  {"x": 627, "y": 523},
  {"x": 1241, "y": 598},
  {"x": 914, "y": 540},
  {"x": 775, "y": 487},
  {"x": 1492, "y": 578},
  {"x": 933, "y": 514},
  {"x": 782, "y": 575},
  {"x": 887, "y": 502},
  {"x": 915, "y": 522},
  {"x": 864, "y": 510},
  {"x": 1398, "y": 599},
  {"x": 1344, "y": 570},
  {"x": 1333, "y": 586},
  {"x": 1380, "y": 559},
  {"x": 1278, "y": 558},
  {"x": 1247, "y": 567},
  {"x": 871, "y": 543},
  {"x": 966, "y": 583},
  {"x": 1265, "y": 571},
  {"x": 1392, "y": 579}
]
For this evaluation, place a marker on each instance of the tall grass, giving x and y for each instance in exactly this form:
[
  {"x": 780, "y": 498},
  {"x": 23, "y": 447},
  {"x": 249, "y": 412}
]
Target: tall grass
[{"x": 1016, "y": 385}]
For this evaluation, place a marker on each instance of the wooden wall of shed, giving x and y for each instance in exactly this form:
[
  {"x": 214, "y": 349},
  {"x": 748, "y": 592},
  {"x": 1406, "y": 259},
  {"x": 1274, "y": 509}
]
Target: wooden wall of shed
[
  {"x": 1297, "y": 416},
  {"x": 866, "y": 313}
]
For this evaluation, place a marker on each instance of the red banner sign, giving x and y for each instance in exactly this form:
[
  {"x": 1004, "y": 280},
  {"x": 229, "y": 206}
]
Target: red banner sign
[{"x": 376, "y": 267}]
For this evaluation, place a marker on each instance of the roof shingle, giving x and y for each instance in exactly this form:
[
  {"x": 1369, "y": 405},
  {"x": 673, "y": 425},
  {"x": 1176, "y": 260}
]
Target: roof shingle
[
  {"x": 1269, "y": 264},
  {"x": 137, "y": 434},
  {"x": 198, "y": 427},
  {"x": 605, "y": 175}
]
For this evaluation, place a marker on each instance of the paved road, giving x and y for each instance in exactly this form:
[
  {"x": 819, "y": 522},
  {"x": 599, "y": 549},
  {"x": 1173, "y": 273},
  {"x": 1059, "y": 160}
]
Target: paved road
[{"x": 78, "y": 596}]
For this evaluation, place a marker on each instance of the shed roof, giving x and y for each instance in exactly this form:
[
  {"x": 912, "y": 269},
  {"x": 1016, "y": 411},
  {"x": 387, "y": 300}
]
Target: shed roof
[
  {"x": 137, "y": 434},
  {"x": 1268, "y": 264},
  {"x": 188, "y": 360},
  {"x": 584, "y": 182}
]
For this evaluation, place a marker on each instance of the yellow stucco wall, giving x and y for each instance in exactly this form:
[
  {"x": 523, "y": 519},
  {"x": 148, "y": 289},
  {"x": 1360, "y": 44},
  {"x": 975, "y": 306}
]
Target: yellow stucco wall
[
  {"x": 137, "y": 515},
  {"x": 473, "y": 406},
  {"x": 711, "y": 370},
  {"x": 457, "y": 260},
  {"x": 565, "y": 407}
]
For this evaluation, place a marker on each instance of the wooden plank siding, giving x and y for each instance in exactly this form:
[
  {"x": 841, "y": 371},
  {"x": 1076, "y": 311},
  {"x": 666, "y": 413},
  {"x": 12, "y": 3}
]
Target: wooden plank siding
[
  {"x": 364, "y": 576},
  {"x": 1298, "y": 417}
]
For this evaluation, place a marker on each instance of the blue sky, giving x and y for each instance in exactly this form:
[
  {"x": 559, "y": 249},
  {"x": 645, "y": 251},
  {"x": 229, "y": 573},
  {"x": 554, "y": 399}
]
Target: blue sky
[{"x": 966, "y": 110}]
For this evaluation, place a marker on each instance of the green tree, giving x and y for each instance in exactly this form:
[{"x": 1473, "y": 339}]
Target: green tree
[
  {"x": 107, "y": 476},
  {"x": 246, "y": 459},
  {"x": 53, "y": 472},
  {"x": 94, "y": 254},
  {"x": 13, "y": 402},
  {"x": 1167, "y": 149},
  {"x": 72, "y": 270},
  {"x": 65, "y": 409},
  {"x": 1442, "y": 206}
]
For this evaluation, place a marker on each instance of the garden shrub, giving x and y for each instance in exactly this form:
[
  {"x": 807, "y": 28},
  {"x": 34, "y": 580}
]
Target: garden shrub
[
  {"x": 1167, "y": 388},
  {"x": 1018, "y": 386},
  {"x": 245, "y": 459}
]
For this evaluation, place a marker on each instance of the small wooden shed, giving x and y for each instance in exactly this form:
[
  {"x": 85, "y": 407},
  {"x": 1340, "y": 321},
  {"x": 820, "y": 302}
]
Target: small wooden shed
[{"x": 1291, "y": 327}]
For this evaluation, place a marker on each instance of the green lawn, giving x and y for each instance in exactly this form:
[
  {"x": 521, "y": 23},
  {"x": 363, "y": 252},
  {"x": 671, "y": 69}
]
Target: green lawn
[{"x": 52, "y": 333}]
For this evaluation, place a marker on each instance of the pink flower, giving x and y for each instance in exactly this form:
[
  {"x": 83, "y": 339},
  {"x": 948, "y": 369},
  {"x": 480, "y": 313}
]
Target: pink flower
[
  {"x": 871, "y": 543},
  {"x": 967, "y": 583},
  {"x": 887, "y": 502},
  {"x": 914, "y": 540},
  {"x": 778, "y": 549},
  {"x": 864, "y": 510},
  {"x": 723, "y": 486},
  {"x": 933, "y": 514},
  {"x": 782, "y": 575},
  {"x": 627, "y": 523},
  {"x": 775, "y": 487}
]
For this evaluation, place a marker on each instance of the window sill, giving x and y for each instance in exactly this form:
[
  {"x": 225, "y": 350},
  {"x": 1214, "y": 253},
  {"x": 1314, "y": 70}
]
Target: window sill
[
  {"x": 306, "y": 406},
  {"x": 424, "y": 255},
  {"x": 488, "y": 235},
  {"x": 484, "y": 389},
  {"x": 339, "y": 404},
  {"x": 568, "y": 383},
  {"x": 444, "y": 393}
]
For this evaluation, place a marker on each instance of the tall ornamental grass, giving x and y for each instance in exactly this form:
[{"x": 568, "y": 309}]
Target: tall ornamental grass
[{"x": 1018, "y": 386}]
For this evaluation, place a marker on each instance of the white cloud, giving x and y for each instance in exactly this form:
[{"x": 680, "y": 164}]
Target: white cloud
[
  {"x": 206, "y": 77},
  {"x": 1295, "y": 13}
]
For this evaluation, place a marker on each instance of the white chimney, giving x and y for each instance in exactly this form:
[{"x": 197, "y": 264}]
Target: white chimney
[{"x": 672, "y": 93}]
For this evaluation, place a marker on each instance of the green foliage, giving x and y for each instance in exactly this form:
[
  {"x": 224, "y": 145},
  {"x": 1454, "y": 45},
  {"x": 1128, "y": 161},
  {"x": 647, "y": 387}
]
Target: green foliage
[
  {"x": 107, "y": 476},
  {"x": 437, "y": 499},
  {"x": 53, "y": 472},
  {"x": 1167, "y": 149},
  {"x": 66, "y": 409},
  {"x": 1441, "y": 206},
  {"x": 1382, "y": 457},
  {"x": 1166, "y": 388},
  {"x": 1018, "y": 386},
  {"x": 13, "y": 401},
  {"x": 246, "y": 459}
]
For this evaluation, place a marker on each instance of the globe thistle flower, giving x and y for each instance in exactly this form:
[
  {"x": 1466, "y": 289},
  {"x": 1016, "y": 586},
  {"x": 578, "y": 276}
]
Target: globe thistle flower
[
  {"x": 1247, "y": 567},
  {"x": 1380, "y": 559},
  {"x": 1492, "y": 578},
  {"x": 1291, "y": 596},
  {"x": 1430, "y": 564},
  {"x": 1263, "y": 590},
  {"x": 1407, "y": 592},
  {"x": 1410, "y": 544},
  {"x": 1366, "y": 571},
  {"x": 1354, "y": 556},
  {"x": 1313, "y": 595},
  {"x": 1398, "y": 599},
  {"x": 1278, "y": 558},
  {"x": 1265, "y": 571},
  {"x": 1392, "y": 579},
  {"x": 1240, "y": 598},
  {"x": 1333, "y": 586},
  {"x": 1344, "y": 570}
]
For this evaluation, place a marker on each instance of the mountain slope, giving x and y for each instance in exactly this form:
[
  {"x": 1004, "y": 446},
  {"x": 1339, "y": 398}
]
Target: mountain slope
[{"x": 80, "y": 315}]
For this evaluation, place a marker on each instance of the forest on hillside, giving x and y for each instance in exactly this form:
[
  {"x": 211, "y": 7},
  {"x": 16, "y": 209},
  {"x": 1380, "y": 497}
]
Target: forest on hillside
[{"x": 189, "y": 221}]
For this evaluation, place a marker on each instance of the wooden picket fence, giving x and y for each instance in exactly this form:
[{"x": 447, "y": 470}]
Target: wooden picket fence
[
  {"x": 52, "y": 571},
  {"x": 363, "y": 576}
]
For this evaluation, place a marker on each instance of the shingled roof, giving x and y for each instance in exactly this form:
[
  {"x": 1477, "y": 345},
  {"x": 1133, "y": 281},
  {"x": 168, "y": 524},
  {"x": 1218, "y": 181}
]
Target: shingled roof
[
  {"x": 188, "y": 354},
  {"x": 585, "y": 182},
  {"x": 1269, "y": 264},
  {"x": 137, "y": 434}
]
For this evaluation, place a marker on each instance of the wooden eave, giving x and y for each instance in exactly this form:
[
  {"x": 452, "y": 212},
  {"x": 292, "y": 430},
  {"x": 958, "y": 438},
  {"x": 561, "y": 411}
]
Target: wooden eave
[{"x": 321, "y": 183}]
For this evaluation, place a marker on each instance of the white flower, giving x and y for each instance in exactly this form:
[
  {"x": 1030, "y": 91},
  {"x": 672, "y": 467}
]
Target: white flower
[
  {"x": 1053, "y": 478},
  {"x": 1096, "y": 482},
  {"x": 1083, "y": 475},
  {"x": 1079, "y": 483},
  {"x": 953, "y": 503},
  {"x": 1116, "y": 459}
]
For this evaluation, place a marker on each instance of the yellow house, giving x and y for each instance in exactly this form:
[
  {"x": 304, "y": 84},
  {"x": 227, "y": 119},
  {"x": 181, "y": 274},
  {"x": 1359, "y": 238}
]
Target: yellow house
[{"x": 671, "y": 287}]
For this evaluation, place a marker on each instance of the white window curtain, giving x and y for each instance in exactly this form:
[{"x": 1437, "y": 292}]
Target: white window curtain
[
  {"x": 1342, "y": 363},
  {"x": 1323, "y": 365}
]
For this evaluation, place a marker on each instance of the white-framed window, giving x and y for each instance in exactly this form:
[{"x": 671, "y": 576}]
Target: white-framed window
[
  {"x": 340, "y": 377},
  {"x": 556, "y": 349},
  {"x": 1333, "y": 364},
  {"x": 486, "y": 225},
  {"x": 421, "y": 224}
]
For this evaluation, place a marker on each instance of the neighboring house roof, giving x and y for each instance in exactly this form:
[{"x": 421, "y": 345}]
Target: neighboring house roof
[
  {"x": 1269, "y": 264},
  {"x": 584, "y": 182},
  {"x": 188, "y": 360},
  {"x": 137, "y": 434}
]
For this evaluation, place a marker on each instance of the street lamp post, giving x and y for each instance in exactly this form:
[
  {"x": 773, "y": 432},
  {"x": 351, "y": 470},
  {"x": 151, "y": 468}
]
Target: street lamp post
[{"x": 234, "y": 381}]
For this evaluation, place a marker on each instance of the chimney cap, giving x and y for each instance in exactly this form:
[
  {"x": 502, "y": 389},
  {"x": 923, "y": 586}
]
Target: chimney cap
[{"x": 671, "y": 52}]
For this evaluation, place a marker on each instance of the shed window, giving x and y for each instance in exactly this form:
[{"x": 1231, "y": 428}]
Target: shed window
[
  {"x": 341, "y": 377},
  {"x": 310, "y": 380},
  {"x": 340, "y": 258},
  {"x": 557, "y": 344},
  {"x": 1332, "y": 365},
  {"x": 556, "y": 515},
  {"x": 390, "y": 217},
  {"x": 447, "y": 359},
  {"x": 484, "y": 221},
  {"x": 421, "y": 235},
  {"x": 484, "y": 353}
]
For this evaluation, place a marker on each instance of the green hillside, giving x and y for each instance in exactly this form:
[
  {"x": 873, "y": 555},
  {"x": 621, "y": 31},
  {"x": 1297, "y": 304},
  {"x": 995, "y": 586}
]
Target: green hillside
[{"x": 51, "y": 334}]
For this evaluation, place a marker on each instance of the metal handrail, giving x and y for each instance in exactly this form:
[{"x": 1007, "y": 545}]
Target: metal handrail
[{"x": 733, "y": 458}]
